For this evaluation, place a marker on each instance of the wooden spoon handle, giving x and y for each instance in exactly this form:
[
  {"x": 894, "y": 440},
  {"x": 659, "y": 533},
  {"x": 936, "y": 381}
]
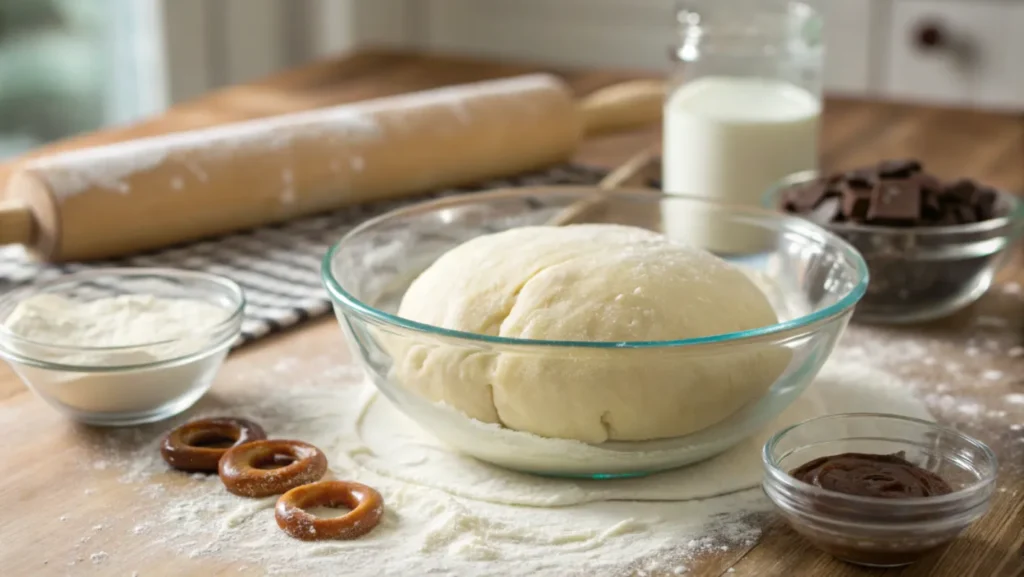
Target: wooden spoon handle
[{"x": 585, "y": 210}]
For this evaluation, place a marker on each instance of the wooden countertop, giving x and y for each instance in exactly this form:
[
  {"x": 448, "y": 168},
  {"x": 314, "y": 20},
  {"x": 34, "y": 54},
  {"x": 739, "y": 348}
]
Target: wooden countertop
[{"x": 43, "y": 483}]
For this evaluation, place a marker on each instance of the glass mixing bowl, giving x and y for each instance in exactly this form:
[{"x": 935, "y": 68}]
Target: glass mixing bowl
[{"x": 812, "y": 278}]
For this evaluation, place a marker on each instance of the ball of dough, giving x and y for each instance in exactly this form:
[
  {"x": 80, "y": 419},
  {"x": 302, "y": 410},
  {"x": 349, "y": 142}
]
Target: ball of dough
[{"x": 594, "y": 282}]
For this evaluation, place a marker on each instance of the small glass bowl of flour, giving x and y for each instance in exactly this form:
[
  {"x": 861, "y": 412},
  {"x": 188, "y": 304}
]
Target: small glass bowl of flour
[{"x": 118, "y": 347}]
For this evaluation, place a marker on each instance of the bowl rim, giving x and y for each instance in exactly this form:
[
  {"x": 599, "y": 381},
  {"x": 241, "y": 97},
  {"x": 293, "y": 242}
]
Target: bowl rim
[
  {"x": 340, "y": 296},
  {"x": 769, "y": 200},
  {"x": 778, "y": 476},
  {"x": 237, "y": 294}
]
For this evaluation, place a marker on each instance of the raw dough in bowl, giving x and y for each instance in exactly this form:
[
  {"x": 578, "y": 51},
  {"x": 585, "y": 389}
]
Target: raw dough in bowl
[{"x": 594, "y": 282}]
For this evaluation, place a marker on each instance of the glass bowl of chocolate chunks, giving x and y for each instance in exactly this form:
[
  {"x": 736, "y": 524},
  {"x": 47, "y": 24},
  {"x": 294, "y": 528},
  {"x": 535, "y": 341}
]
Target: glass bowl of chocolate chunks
[{"x": 932, "y": 246}]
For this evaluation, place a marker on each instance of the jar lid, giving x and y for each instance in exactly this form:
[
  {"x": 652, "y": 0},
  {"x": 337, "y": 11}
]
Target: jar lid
[{"x": 762, "y": 27}]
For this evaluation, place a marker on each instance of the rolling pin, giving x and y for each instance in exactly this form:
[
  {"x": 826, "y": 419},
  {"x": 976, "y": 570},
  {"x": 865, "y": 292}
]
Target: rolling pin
[{"x": 146, "y": 194}]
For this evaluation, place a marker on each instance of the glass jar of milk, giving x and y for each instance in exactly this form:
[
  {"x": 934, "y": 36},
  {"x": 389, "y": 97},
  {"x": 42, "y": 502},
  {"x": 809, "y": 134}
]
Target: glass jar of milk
[{"x": 743, "y": 107}]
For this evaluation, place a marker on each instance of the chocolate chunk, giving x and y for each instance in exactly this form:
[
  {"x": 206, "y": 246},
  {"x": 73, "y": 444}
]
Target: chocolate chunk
[
  {"x": 805, "y": 197},
  {"x": 791, "y": 199},
  {"x": 947, "y": 219},
  {"x": 985, "y": 201},
  {"x": 826, "y": 211},
  {"x": 893, "y": 193},
  {"x": 961, "y": 191},
  {"x": 965, "y": 214},
  {"x": 931, "y": 207},
  {"x": 928, "y": 183},
  {"x": 855, "y": 203},
  {"x": 899, "y": 168},
  {"x": 788, "y": 201},
  {"x": 895, "y": 202},
  {"x": 862, "y": 178}
]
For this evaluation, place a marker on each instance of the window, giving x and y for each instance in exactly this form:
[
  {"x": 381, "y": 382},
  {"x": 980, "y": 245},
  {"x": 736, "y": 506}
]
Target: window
[{"x": 70, "y": 66}]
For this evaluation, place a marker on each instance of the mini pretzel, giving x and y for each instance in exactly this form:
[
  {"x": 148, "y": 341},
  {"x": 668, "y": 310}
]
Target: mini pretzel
[
  {"x": 366, "y": 503},
  {"x": 267, "y": 468},
  {"x": 199, "y": 445}
]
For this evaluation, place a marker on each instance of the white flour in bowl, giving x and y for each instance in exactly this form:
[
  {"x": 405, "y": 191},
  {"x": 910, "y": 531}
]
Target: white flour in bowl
[
  {"x": 122, "y": 321},
  {"x": 450, "y": 515},
  {"x": 101, "y": 336}
]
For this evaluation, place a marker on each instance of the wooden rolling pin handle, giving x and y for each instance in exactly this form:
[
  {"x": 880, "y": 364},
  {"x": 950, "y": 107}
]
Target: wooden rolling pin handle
[
  {"x": 624, "y": 106},
  {"x": 17, "y": 224}
]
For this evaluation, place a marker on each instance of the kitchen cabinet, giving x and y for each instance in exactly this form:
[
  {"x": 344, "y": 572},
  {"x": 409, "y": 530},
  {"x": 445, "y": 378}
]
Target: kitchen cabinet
[
  {"x": 968, "y": 52},
  {"x": 848, "y": 57},
  {"x": 961, "y": 53}
]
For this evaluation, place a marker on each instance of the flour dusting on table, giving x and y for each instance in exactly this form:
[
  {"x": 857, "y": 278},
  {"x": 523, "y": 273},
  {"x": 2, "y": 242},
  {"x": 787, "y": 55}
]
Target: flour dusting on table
[
  {"x": 975, "y": 393},
  {"x": 431, "y": 529}
]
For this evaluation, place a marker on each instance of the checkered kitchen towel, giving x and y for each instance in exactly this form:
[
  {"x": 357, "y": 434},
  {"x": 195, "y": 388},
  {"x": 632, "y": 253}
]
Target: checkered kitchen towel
[{"x": 278, "y": 266}]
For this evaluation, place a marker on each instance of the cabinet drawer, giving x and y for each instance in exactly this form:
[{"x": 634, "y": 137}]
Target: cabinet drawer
[
  {"x": 966, "y": 52},
  {"x": 847, "y": 53}
]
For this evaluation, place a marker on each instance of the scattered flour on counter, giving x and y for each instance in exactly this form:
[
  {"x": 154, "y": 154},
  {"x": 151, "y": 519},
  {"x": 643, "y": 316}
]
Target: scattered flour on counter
[
  {"x": 450, "y": 515},
  {"x": 876, "y": 350},
  {"x": 966, "y": 392},
  {"x": 950, "y": 405},
  {"x": 963, "y": 410},
  {"x": 990, "y": 322},
  {"x": 396, "y": 447},
  {"x": 1015, "y": 399}
]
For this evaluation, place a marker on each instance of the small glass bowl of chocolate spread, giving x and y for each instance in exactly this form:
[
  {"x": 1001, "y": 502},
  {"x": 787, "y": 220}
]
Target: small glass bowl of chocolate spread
[{"x": 877, "y": 490}]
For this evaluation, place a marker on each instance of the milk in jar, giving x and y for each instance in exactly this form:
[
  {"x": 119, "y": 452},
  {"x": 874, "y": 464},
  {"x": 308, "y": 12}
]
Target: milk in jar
[{"x": 744, "y": 114}]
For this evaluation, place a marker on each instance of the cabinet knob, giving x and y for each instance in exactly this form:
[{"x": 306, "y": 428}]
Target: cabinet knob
[{"x": 931, "y": 35}]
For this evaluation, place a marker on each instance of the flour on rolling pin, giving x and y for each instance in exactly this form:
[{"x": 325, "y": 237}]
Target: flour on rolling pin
[
  {"x": 187, "y": 186},
  {"x": 108, "y": 167}
]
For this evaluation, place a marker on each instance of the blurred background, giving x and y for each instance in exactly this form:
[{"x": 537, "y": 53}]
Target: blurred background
[{"x": 68, "y": 66}]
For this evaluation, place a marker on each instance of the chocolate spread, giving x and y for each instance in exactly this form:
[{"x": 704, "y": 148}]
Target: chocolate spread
[
  {"x": 860, "y": 533},
  {"x": 884, "y": 476}
]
